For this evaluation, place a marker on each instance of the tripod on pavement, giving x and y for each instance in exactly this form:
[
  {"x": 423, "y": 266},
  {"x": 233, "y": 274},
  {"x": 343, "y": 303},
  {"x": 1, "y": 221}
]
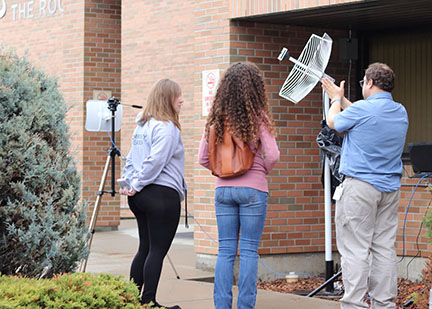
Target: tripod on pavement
[{"x": 112, "y": 153}]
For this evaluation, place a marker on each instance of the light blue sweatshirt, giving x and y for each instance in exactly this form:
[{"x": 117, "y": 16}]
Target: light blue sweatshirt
[{"x": 156, "y": 156}]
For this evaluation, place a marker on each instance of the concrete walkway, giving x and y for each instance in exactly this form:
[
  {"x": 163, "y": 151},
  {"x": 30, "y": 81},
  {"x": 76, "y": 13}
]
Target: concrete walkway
[{"x": 113, "y": 251}]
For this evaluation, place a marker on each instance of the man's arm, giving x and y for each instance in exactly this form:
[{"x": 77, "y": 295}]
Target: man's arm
[
  {"x": 335, "y": 109},
  {"x": 336, "y": 94}
]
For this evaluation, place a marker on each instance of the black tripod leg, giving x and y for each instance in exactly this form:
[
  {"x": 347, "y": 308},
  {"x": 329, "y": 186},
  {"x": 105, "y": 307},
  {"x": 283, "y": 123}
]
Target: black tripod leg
[
  {"x": 96, "y": 210},
  {"x": 172, "y": 265},
  {"x": 322, "y": 286}
]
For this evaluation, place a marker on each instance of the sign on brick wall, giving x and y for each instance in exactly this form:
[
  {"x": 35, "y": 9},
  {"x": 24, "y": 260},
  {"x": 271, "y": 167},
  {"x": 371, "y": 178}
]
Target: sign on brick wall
[
  {"x": 102, "y": 94},
  {"x": 210, "y": 79},
  {"x": 30, "y": 9}
]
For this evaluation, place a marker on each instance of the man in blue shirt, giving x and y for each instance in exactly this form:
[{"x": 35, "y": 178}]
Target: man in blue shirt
[{"x": 367, "y": 200}]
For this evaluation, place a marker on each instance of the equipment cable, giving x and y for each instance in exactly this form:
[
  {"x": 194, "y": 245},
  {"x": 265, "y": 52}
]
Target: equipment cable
[
  {"x": 405, "y": 219},
  {"x": 417, "y": 241},
  {"x": 115, "y": 146}
]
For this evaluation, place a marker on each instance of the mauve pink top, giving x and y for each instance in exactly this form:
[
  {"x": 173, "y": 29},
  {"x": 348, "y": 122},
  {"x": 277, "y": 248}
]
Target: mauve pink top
[{"x": 265, "y": 159}]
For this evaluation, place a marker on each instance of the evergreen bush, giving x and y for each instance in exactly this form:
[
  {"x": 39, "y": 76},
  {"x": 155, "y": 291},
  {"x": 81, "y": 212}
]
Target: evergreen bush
[
  {"x": 79, "y": 290},
  {"x": 42, "y": 222}
]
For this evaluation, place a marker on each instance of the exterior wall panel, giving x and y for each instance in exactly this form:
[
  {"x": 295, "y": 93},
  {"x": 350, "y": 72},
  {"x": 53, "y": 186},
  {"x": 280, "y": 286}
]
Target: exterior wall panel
[
  {"x": 409, "y": 54},
  {"x": 242, "y": 8}
]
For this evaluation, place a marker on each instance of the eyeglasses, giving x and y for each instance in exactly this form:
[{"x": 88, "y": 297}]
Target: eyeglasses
[{"x": 361, "y": 82}]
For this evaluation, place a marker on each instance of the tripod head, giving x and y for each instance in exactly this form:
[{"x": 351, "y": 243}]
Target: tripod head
[{"x": 113, "y": 103}]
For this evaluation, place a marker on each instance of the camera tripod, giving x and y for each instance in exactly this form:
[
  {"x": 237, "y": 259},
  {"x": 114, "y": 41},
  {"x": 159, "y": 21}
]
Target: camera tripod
[{"x": 112, "y": 153}]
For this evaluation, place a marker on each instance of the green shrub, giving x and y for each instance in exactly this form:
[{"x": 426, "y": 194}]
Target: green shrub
[
  {"x": 79, "y": 290},
  {"x": 42, "y": 223},
  {"x": 427, "y": 220}
]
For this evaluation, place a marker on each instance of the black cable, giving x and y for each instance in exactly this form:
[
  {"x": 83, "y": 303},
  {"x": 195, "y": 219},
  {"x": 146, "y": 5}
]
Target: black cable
[
  {"x": 406, "y": 214},
  {"x": 417, "y": 244}
]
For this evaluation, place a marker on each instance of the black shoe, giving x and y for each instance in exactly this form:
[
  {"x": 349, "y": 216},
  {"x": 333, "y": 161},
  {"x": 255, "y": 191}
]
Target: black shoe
[
  {"x": 157, "y": 305},
  {"x": 165, "y": 307}
]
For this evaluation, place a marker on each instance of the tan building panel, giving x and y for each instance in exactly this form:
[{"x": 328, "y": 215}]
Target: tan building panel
[
  {"x": 410, "y": 56},
  {"x": 242, "y": 8}
]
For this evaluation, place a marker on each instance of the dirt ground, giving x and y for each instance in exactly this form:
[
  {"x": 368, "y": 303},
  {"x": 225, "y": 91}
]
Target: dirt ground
[{"x": 406, "y": 288}]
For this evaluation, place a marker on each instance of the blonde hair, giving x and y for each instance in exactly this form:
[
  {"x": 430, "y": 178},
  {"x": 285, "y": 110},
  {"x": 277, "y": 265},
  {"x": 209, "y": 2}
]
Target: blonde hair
[{"x": 160, "y": 102}]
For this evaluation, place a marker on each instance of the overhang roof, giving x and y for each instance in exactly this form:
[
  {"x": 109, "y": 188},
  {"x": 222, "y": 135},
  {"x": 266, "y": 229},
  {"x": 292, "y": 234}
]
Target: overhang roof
[{"x": 367, "y": 15}]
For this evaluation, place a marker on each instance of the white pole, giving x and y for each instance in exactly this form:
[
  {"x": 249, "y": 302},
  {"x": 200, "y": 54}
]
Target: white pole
[
  {"x": 327, "y": 206},
  {"x": 327, "y": 193}
]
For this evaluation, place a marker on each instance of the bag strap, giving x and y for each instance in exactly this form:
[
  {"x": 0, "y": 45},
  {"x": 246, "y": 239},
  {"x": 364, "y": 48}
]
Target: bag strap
[{"x": 186, "y": 212}]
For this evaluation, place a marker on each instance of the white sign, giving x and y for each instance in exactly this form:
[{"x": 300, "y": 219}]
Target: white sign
[
  {"x": 31, "y": 9},
  {"x": 210, "y": 79}
]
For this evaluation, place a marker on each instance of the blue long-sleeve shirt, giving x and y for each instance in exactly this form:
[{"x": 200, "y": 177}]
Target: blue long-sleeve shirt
[
  {"x": 374, "y": 140},
  {"x": 156, "y": 157}
]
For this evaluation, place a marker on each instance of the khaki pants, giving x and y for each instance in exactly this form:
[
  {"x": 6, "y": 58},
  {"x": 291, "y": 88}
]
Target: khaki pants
[{"x": 366, "y": 223}]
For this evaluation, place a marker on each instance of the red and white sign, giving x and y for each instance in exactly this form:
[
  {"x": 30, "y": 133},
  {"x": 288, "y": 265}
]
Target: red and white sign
[
  {"x": 102, "y": 95},
  {"x": 210, "y": 79}
]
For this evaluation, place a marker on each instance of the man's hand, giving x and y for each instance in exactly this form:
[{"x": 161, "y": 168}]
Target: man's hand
[{"x": 333, "y": 91}]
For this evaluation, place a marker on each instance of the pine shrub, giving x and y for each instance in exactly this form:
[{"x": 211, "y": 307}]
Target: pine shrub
[
  {"x": 79, "y": 290},
  {"x": 42, "y": 222}
]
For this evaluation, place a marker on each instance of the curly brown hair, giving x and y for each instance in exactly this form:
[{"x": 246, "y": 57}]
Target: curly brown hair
[
  {"x": 241, "y": 104},
  {"x": 382, "y": 76}
]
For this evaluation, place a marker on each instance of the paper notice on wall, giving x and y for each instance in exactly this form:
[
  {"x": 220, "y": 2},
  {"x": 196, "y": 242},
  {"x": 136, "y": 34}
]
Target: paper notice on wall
[
  {"x": 210, "y": 79},
  {"x": 102, "y": 95}
]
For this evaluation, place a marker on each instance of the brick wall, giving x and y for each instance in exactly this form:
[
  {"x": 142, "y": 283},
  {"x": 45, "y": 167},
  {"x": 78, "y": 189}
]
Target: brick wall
[
  {"x": 102, "y": 71},
  {"x": 415, "y": 241},
  {"x": 212, "y": 41},
  {"x": 158, "y": 42}
]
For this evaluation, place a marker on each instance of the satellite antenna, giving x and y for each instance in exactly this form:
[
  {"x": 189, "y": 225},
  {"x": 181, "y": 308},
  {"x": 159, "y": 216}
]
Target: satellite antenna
[{"x": 308, "y": 70}]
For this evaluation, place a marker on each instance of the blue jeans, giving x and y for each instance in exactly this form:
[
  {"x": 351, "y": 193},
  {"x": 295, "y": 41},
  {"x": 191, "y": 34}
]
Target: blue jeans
[{"x": 238, "y": 209}]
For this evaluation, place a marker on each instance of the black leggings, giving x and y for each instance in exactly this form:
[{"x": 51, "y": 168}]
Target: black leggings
[{"x": 157, "y": 210}]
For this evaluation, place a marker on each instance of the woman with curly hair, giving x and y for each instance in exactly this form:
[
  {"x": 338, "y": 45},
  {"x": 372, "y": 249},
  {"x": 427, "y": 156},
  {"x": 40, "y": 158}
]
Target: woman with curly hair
[{"x": 241, "y": 201}]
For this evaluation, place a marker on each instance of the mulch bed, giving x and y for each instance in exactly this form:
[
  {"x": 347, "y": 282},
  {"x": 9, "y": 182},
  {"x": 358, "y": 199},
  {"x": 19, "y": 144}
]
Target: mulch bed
[{"x": 406, "y": 288}]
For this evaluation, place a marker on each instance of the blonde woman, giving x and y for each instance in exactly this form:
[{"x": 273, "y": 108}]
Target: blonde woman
[{"x": 154, "y": 170}]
